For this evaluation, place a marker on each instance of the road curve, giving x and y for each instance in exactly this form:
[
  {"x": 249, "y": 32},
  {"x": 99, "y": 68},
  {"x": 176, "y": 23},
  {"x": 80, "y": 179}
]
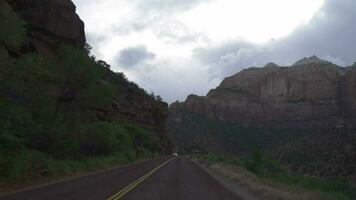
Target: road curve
[{"x": 179, "y": 179}]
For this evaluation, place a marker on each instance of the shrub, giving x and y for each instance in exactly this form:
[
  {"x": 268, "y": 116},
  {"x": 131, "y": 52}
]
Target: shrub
[
  {"x": 12, "y": 28},
  {"x": 98, "y": 139},
  {"x": 23, "y": 165},
  {"x": 15, "y": 123},
  {"x": 104, "y": 138}
]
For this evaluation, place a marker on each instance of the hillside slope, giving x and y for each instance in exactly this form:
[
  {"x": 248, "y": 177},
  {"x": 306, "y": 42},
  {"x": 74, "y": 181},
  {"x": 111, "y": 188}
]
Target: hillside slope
[{"x": 57, "y": 103}]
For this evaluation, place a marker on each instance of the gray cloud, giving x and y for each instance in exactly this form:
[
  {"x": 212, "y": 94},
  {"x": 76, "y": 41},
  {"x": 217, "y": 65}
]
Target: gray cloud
[
  {"x": 132, "y": 26},
  {"x": 166, "y": 6},
  {"x": 230, "y": 57},
  {"x": 179, "y": 33},
  {"x": 152, "y": 11},
  {"x": 133, "y": 56},
  {"x": 330, "y": 35}
]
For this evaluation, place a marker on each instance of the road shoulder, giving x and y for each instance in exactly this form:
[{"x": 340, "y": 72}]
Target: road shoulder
[
  {"x": 224, "y": 181},
  {"x": 250, "y": 187}
]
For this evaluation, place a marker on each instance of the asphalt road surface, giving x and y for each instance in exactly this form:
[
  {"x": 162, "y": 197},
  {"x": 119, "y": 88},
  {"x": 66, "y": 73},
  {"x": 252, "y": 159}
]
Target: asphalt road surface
[{"x": 177, "y": 179}]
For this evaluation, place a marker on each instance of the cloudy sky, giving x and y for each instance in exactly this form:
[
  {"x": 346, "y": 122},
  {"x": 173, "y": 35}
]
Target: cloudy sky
[{"x": 179, "y": 47}]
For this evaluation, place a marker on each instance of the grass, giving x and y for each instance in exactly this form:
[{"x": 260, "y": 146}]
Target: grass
[
  {"x": 338, "y": 188},
  {"x": 60, "y": 167},
  {"x": 34, "y": 168}
]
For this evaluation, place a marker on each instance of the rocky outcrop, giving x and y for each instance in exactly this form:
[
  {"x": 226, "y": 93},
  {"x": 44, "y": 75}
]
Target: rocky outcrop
[
  {"x": 310, "y": 94},
  {"x": 135, "y": 106},
  {"x": 311, "y": 60},
  {"x": 51, "y": 23}
]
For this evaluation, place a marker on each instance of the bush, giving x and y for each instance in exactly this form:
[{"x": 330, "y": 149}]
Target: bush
[
  {"x": 15, "y": 122},
  {"x": 23, "y": 165},
  {"x": 142, "y": 140},
  {"x": 12, "y": 28},
  {"x": 100, "y": 139}
]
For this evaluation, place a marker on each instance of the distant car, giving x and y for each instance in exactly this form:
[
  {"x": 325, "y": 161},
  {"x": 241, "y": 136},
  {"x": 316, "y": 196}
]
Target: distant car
[{"x": 175, "y": 154}]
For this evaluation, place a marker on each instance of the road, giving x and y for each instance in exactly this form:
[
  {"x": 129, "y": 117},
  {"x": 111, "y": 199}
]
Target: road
[{"x": 174, "y": 179}]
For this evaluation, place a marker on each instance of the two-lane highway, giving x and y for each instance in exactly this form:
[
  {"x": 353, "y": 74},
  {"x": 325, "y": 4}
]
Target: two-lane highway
[
  {"x": 181, "y": 179},
  {"x": 173, "y": 179}
]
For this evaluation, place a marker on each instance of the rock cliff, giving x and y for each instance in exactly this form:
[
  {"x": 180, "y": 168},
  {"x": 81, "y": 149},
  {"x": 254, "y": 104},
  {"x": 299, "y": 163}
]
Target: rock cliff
[
  {"x": 51, "y": 24},
  {"x": 310, "y": 94},
  {"x": 304, "y": 114}
]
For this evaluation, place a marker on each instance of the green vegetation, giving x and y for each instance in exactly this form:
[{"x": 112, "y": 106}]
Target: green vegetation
[
  {"x": 49, "y": 123},
  {"x": 100, "y": 145},
  {"x": 218, "y": 136},
  {"x": 338, "y": 188},
  {"x": 10, "y": 23}
]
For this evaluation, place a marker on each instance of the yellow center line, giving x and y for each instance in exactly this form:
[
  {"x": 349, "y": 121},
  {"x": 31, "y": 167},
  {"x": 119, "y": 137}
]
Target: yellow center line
[{"x": 130, "y": 187}]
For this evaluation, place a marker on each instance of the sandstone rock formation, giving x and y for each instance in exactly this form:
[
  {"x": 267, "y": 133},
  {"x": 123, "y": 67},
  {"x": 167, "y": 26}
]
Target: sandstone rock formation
[
  {"x": 51, "y": 23},
  {"x": 310, "y": 94}
]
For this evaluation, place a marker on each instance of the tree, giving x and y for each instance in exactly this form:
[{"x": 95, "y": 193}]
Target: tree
[
  {"x": 142, "y": 140},
  {"x": 159, "y": 98},
  {"x": 87, "y": 48},
  {"x": 79, "y": 78},
  {"x": 153, "y": 95},
  {"x": 12, "y": 28},
  {"x": 104, "y": 64}
]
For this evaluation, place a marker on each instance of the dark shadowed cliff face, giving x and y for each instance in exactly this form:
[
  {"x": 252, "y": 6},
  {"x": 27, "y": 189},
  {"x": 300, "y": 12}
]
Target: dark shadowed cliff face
[
  {"x": 134, "y": 105},
  {"x": 270, "y": 107},
  {"x": 52, "y": 24}
]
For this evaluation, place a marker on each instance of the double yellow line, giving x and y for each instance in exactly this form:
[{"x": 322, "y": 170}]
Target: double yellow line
[{"x": 130, "y": 187}]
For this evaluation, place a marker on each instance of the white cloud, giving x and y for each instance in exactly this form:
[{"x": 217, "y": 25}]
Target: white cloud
[
  {"x": 253, "y": 20},
  {"x": 197, "y": 43}
]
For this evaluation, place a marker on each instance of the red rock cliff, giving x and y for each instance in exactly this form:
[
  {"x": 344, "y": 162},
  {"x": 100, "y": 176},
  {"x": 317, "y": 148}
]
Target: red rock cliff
[{"x": 311, "y": 93}]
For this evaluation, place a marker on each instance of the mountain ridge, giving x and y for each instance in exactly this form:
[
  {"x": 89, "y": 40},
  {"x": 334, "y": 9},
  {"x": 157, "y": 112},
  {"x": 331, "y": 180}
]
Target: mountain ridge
[
  {"x": 273, "y": 108},
  {"x": 317, "y": 85}
]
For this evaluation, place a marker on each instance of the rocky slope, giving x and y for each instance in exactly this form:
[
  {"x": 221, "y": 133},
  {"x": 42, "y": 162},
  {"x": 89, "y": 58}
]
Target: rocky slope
[
  {"x": 272, "y": 107},
  {"x": 324, "y": 153},
  {"x": 51, "y": 24}
]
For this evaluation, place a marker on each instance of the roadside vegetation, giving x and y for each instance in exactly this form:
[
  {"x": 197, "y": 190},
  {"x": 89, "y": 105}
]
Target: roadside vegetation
[
  {"x": 215, "y": 135},
  {"x": 48, "y": 111},
  {"x": 265, "y": 168}
]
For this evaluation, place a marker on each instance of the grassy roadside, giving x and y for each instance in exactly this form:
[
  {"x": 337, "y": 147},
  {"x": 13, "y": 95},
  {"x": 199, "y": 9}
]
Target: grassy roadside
[
  {"x": 271, "y": 172},
  {"x": 60, "y": 170}
]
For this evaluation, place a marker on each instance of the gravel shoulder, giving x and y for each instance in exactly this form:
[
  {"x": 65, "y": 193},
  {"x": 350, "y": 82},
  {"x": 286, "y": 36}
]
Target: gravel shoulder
[{"x": 249, "y": 187}]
